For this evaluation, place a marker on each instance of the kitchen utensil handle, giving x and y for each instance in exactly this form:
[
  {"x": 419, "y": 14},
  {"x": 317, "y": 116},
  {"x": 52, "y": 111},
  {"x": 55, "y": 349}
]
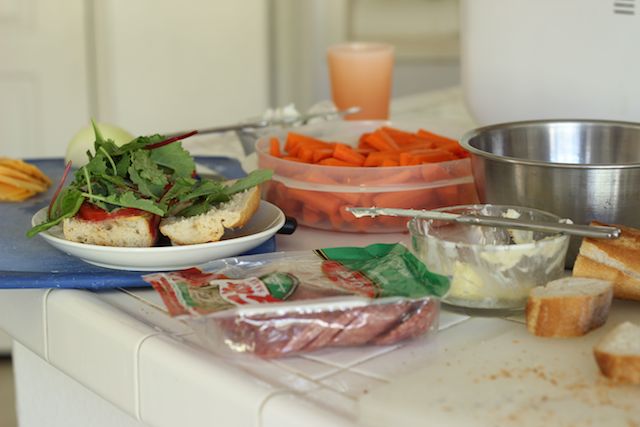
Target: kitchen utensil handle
[
  {"x": 264, "y": 123},
  {"x": 593, "y": 231}
]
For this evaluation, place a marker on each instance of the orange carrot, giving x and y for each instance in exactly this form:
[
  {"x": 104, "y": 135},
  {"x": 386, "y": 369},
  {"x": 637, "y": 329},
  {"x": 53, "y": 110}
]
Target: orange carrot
[
  {"x": 274, "y": 147},
  {"x": 380, "y": 142},
  {"x": 434, "y": 136},
  {"x": 332, "y": 161},
  {"x": 448, "y": 195},
  {"x": 310, "y": 216},
  {"x": 433, "y": 155},
  {"x": 402, "y": 199},
  {"x": 433, "y": 173},
  {"x": 292, "y": 158},
  {"x": 378, "y": 157},
  {"x": 386, "y": 146},
  {"x": 345, "y": 153},
  {"x": 399, "y": 136},
  {"x": 404, "y": 158},
  {"x": 315, "y": 200},
  {"x": 305, "y": 154},
  {"x": 389, "y": 163},
  {"x": 321, "y": 154}
]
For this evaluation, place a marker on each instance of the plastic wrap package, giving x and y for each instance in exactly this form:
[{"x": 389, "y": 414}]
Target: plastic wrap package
[{"x": 286, "y": 303}]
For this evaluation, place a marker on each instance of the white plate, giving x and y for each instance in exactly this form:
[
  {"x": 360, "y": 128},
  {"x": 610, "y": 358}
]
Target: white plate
[{"x": 262, "y": 226}]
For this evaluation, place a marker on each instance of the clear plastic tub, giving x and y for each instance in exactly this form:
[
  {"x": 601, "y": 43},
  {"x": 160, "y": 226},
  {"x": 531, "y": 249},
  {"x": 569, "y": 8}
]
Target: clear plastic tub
[
  {"x": 317, "y": 196},
  {"x": 490, "y": 268}
]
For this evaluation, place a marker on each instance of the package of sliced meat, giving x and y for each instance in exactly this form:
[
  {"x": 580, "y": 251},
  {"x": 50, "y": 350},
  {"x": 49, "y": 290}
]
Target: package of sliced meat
[{"x": 279, "y": 304}]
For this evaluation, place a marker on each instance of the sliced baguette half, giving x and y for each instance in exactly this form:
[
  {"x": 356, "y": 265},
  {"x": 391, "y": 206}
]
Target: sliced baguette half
[
  {"x": 618, "y": 353},
  {"x": 617, "y": 260},
  {"x": 126, "y": 231},
  {"x": 210, "y": 226},
  {"x": 568, "y": 307}
]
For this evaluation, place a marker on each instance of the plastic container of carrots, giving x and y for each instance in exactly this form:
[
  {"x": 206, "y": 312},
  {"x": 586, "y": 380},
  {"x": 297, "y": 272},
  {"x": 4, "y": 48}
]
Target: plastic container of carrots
[{"x": 320, "y": 170}]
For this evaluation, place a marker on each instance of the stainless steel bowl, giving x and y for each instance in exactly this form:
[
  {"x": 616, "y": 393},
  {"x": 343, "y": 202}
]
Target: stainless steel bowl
[{"x": 579, "y": 169}]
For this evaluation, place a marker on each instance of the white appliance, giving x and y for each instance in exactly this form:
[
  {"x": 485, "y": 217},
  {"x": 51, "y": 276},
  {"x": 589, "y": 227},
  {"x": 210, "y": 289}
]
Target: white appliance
[{"x": 551, "y": 59}]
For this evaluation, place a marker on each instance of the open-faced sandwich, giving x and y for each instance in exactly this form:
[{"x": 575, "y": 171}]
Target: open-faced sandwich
[{"x": 127, "y": 195}]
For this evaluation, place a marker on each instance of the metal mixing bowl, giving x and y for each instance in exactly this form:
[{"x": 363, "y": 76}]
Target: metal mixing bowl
[{"x": 579, "y": 169}]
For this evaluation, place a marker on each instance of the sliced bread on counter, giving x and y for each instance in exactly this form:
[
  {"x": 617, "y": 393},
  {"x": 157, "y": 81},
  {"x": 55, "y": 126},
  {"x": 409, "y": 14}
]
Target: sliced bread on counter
[
  {"x": 618, "y": 353},
  {"x": 210, "y": 226},
  {"x": 616, "y": 260},
  {"x": 568, "y": 307}
]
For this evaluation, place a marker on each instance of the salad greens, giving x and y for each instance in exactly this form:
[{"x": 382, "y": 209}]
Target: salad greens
[{"x": 150, "y": 173}]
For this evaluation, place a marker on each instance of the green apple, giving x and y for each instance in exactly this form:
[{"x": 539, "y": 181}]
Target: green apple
[{"x": 84, "y": 139}]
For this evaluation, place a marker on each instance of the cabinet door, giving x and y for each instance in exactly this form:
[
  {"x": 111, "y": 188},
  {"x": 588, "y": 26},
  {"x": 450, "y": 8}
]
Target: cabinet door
[
  {"x": 165, "y": 66},
  {"x": 43, "y": 76}
]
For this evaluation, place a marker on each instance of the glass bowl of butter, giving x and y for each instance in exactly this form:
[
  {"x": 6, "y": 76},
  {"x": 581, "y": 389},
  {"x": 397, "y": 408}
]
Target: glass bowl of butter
[{"x": 490, "y": 268}]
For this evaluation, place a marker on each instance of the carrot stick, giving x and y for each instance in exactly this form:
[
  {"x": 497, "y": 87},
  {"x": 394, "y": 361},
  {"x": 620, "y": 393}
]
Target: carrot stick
[
  {"x": 378, "y": 157},
  {"x": 449, "y": 195},
  {"x": 402, "y": 199},
  {"x": 321, "y": 154},
  {"x": 315, "y": 200},
  {"x": 305, "y": 154},
  {"x": 310, "y": 216},
  {"x": 430, "y": 156},
  {"x": 399, "y": 136},
  {"x": 389, "y": 163},
  {"x": 292, "y": 158},
  {"x": 404, "y": 158},
  {"x": 274, "y": 147},
  {"x": 433, "y": 173},
  {"x": 332, "y": 161},
  {"x": 380, "y": 143},
  {"x": 434, "y": 136},
  {"x": 345, "y": 153}
]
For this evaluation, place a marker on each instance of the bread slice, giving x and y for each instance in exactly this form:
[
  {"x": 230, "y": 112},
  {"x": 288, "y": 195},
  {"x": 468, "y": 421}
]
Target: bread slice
[
  {"x": 617, "y": 260},
  {"x": 210, "y": 226},
  {"x": 568, "y": 307},
  {"x": 129, "y": 231},
  {"x": 618, "y": 353}
]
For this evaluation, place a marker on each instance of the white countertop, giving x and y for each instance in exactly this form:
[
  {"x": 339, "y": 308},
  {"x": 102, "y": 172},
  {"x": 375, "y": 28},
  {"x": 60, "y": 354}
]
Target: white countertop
[{"x": 123, "y": 347}]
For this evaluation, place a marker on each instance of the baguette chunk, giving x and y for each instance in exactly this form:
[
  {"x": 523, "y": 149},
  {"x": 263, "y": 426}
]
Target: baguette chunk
[
  {"x": 617, "y": 260},
  {"x": 125, "y": 231},
  {"x": 618, "y": 353},
  {"x": 211, "y": 225},
  {"x": 568, "y": 307}
]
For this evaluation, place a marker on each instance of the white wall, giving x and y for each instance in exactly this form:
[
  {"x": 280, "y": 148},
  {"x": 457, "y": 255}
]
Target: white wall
[
  {"x": 147, "y": 65},
  {"x": 425, "y": 33},
  {"x": 161, "y": 66}
]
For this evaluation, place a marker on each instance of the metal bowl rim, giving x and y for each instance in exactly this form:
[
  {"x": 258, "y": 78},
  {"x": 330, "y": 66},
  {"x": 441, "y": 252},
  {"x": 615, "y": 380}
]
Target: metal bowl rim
[{"x": 464, "y": 141}]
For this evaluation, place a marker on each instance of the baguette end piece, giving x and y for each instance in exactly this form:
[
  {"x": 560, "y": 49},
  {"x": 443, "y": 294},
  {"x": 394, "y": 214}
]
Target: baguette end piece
[
  {"x": 618, "y": 354},
  {"x": 210, "y": 226},
  {"x": 616, "y": 260},
  {"x": 568, "y": 307}
]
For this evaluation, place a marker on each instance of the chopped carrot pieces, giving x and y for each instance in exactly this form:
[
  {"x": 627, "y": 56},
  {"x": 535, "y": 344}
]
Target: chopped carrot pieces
[{"x": 385, "y": 146}]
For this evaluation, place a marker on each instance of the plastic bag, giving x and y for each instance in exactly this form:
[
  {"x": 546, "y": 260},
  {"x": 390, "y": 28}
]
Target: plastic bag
[{"x": 286, "y": 303}]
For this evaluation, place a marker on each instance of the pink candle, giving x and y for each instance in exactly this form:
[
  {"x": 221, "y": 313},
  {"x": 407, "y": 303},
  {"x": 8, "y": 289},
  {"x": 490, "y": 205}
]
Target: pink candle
[{"x": 361, "y": 75}]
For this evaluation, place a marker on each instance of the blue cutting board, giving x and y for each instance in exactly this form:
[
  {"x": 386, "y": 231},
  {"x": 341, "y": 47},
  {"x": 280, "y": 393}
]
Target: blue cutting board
[{"x": 33, "y": 263}]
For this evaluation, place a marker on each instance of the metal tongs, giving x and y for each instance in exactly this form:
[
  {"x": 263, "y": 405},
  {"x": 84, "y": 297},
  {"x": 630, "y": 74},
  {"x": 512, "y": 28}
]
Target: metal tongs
[
  {"x": 594, "y": 231},
  {"x": 263, "y": 123}
]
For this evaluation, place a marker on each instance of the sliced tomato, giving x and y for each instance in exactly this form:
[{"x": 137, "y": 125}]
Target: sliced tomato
[{"x": 90, "y": 212}]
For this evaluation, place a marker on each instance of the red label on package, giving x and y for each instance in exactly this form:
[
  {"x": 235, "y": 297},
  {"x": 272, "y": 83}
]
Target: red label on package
[{"x": 244, "y": 291}]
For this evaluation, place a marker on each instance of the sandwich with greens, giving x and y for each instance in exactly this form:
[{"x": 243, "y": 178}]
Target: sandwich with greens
[{"x": 130, "y": 194}]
